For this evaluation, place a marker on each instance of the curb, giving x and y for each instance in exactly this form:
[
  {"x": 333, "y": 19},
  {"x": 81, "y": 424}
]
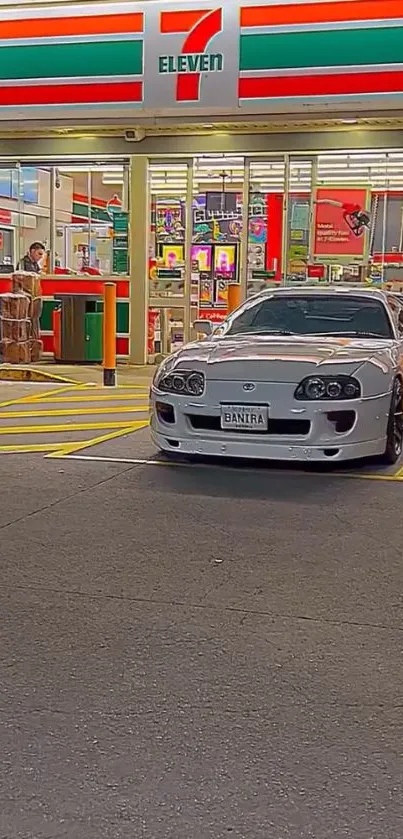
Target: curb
[{"x": 32, "y": 374}]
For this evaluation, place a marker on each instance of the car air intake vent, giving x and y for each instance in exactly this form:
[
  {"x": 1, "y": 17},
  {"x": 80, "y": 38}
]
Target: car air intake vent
[
  {"x": 277, "y": 427},
  {"x": 343, "y": 420}
]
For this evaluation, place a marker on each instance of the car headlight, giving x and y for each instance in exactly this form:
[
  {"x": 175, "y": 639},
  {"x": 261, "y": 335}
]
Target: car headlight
[
  {"x": 187, "y": 382},
  {"x": 316, "y": 388}
]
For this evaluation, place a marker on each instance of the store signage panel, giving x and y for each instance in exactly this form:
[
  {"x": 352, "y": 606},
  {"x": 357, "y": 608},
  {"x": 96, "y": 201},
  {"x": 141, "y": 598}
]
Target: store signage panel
[
  {"x": 341, "y": 223},
  {"x": 194, "y": 56}
]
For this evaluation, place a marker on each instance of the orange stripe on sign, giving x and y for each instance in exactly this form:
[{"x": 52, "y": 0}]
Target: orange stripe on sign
[
  {"x": 331, "y": 12},
  {"x": 78, "y": 198},
  {"x": 59, "y": 26},
  {"x": 180, "y": 21}
]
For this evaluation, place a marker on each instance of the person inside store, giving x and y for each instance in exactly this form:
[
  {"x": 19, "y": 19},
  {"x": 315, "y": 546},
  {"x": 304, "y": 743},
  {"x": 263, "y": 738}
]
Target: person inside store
[{"x": 31, "y": 261}]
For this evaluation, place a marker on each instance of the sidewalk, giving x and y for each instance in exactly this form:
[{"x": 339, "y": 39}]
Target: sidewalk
[{"x": 80, "y": 373}]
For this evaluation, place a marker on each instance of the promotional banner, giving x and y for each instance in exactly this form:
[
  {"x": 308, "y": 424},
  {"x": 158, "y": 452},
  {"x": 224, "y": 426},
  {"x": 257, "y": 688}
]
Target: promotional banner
[{"x": 341, "y": 223}]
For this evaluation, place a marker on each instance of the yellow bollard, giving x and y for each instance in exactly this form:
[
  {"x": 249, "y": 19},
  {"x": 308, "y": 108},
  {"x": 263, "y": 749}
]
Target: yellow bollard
[
  {"x": 234, "y": 296},
  {"x": 110, "y": 334}
]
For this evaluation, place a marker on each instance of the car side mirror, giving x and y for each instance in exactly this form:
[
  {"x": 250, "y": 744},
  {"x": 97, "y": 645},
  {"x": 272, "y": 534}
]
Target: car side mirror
[{"x": 204, "y": 327}]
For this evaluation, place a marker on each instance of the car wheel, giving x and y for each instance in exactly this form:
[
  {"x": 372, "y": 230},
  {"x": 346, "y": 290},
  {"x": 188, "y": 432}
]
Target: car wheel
[{"x": 394, "y": 437}]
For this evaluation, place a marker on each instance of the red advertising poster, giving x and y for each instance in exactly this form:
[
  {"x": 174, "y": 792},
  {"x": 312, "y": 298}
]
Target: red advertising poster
[
  {"x": 341, "y": 222},
  {"x": 316, "y": 272}
]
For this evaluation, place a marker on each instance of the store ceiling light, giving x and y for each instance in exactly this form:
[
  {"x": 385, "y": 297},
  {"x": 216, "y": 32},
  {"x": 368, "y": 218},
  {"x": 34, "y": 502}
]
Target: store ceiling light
[
  {"x": 358, "y": 156},
  {"x": 379, "y": 164},
  {"x": 171, "y": 184},
  {"x": 221, "y": 159},
  {"x": 85, "y": 168},
  {"x": 167, "y": 167}
]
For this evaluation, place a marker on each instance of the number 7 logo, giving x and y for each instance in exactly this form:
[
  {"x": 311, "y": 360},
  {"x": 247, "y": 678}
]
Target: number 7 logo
[{"x": 200, "y": 28}]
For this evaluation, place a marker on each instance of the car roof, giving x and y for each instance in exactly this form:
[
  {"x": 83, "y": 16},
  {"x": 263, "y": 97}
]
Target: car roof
[{"x": 353, "y": 290}]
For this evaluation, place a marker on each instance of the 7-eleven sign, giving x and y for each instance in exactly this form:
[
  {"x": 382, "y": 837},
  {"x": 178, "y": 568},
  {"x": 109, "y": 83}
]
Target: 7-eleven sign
[
  {"x": 195, "y": 59},
  {"x": 199, "y": 28}
]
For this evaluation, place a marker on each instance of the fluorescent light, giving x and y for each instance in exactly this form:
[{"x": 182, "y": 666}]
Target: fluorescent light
[
  {"x": 358, "y": 156},
  {"x": 205, "y": 159},
  {"x": 164, "y": 167},
  {"x": 85, "y": 169}
]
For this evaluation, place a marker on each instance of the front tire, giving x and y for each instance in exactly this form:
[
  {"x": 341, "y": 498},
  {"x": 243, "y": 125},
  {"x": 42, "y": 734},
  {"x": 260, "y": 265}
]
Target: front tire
[{"x": 394, "y": 435}]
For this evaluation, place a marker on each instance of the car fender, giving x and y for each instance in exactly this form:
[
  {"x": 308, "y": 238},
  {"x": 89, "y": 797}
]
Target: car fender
[{"x": 377, "y": 375}]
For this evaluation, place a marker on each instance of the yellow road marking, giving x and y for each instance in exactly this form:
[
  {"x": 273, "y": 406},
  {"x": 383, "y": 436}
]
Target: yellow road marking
[
  {"x": 30, "y": 447},
  {"x": 73, "y": 426},
  {"x": 119, "y": 387},
  {"x": 68, "y": 448},
  {"x": 23, "y": 400},
  {"x": 74, "y": 412},
  {"x": 84, "y": 398},
  {"x": 369, "y": 476}
]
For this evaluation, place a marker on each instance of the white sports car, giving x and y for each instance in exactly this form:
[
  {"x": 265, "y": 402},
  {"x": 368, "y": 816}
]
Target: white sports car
[{"x": 310, "y": 374}]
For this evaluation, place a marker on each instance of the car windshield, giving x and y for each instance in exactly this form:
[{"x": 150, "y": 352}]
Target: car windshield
[{"x": 313, "y": 315}]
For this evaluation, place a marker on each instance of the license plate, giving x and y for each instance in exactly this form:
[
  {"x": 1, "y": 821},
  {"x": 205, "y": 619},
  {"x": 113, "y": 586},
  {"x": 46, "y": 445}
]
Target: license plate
[{"x": 244, "y": 417}]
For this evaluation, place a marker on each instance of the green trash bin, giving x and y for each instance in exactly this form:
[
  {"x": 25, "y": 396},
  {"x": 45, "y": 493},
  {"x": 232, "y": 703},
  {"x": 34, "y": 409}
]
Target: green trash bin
[
  {"x": 94, "y": 336},
  {"x": 81, "y": 328}
]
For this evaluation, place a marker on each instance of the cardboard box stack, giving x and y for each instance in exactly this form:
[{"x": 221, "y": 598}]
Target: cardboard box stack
[
  {"x": 30, "y": 286},
  {"x": 14, "y": 328}
]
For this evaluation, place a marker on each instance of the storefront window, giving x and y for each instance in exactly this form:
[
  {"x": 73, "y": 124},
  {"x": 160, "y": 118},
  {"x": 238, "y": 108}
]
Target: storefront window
[
  {"x": 79, "y": 213},
  {"x": 93, "y": 237},
  {"x": 356, "y": 216}
]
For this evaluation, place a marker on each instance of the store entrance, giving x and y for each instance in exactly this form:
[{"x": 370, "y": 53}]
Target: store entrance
[
  {"x": 195, "y": 245},
  {"x": 264, "y": 221}
]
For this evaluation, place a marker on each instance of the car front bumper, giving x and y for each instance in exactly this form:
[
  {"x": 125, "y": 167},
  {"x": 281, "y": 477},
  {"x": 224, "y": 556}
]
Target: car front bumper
[{"x": 322, "y": 443}]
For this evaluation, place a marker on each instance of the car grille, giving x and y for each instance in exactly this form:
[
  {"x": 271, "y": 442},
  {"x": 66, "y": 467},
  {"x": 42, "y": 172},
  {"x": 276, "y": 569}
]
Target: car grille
[{"x": 277, "y": 427}]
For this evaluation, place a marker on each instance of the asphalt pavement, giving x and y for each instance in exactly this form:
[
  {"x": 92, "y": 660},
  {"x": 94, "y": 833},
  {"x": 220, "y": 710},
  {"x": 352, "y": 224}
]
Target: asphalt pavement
[{"x": 198, "y": 652}]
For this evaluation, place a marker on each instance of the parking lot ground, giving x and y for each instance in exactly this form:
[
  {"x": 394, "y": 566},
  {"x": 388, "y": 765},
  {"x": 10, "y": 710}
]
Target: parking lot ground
[
  {"x": 186, "y": 655},
  {"x": 69, "y": 418},
  {"x": 138, "y": 449}
]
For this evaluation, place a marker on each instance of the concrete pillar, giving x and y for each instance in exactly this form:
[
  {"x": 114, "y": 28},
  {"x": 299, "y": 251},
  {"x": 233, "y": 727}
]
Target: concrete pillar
[{"x": 139, "y": 230}]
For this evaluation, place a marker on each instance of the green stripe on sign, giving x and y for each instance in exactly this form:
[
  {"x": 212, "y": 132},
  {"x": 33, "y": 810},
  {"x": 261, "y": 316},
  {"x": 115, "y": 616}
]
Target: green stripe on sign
[
  {"x": 97, "y": 213},
  {"x": 330, "y": 48},
  {"x": 111, "y": 58}
]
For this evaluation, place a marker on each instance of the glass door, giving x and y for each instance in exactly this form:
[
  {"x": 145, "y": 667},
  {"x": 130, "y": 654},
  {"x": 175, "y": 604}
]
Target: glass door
[
  {"x": 299, "y": 215},
  {"x": 217, "y": 224},
  {"x": 170, "y": 186},
  {"x": 195, "y": 245},
  {"x": 267, "y": 206}
]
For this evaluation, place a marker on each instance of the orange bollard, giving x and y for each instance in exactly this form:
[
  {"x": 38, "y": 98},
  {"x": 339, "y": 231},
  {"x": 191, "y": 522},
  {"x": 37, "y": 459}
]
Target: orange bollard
[
  {"x": 110, "y": 334},
  {"x": 234, "y": 296}
]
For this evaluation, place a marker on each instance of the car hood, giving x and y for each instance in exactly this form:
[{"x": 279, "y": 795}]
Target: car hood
[{"x": 283, "y": 359}]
